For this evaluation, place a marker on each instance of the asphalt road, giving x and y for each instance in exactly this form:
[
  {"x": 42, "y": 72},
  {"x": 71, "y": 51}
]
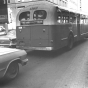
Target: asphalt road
[{"x": 56, "y": 69}]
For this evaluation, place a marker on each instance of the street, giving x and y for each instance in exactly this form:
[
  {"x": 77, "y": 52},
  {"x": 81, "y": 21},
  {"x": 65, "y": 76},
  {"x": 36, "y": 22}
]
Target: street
[{"x": 56, "y": 69}]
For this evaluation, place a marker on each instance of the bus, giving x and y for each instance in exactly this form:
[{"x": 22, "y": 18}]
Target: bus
[{"x": 44, "y": 25}]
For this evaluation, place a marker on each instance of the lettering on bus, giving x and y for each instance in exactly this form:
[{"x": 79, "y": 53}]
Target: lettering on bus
[
  {"x": 31, "y": 22},
  {"x": 33, "y": 8}
]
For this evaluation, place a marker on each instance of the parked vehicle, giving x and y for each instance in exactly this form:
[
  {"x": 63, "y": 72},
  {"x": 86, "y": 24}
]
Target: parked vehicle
[
  {"x": 49, "y": 26},
  {"x": 9, "y": 62},
  {"x": 5, "y": 42}
]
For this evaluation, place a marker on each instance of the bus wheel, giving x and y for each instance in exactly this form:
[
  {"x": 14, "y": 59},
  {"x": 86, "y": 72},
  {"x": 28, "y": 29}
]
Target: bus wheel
[
  {"x": 12, "y": 71},
  {"x": 70, "y": 41}
]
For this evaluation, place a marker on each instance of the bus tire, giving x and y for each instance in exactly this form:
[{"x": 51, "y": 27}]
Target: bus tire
[
  {"x": 12, "y": 71},
  {"x": 70, "y": 41}
]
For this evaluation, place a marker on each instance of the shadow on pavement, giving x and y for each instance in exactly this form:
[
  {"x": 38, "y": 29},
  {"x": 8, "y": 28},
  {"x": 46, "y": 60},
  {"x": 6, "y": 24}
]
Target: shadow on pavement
[{"x": 45, "y": 54}]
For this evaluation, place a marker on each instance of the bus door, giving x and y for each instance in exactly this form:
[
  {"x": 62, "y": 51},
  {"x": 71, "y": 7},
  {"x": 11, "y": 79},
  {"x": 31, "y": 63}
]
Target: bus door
[{"x": 78, "y": 26}]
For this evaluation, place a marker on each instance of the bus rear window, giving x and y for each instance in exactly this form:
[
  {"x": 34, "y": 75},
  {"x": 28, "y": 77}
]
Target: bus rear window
[
  {"x": 39, "y": 14},
  {"x": 24, "y": 16}
]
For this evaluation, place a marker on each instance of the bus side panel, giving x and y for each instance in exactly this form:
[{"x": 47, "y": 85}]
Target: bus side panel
[
  {"x": 53, "y": 32},
  {"x": 84, "y": 30},
  {"x": 58, "y": 34},
  {"x": 63, "y": 30},
  {"x": 74, "y": 30}
]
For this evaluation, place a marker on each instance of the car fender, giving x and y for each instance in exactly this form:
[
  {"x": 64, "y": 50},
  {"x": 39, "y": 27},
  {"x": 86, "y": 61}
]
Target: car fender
[{"x": 14, "y": 60}]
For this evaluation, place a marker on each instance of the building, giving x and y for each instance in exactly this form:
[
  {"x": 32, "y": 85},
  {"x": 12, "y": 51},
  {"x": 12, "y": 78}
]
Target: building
[
  {"x": 74, "y": 4},
  {"x": 71, "y": 4}
]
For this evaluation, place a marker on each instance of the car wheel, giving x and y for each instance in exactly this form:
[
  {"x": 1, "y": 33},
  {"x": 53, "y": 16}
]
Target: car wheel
[{"x": 12, "y": 71}]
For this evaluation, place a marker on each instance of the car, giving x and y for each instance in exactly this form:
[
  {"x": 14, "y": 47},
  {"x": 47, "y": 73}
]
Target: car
[
  {"x": 4, "y": 41},
  {"x": 2, "y": 28},
  {"x": 2, "y": 31},
  {"x": 10, "y": 59},
  {"x": 12, "y": 43},
  {"x": 8, "y": 41}
]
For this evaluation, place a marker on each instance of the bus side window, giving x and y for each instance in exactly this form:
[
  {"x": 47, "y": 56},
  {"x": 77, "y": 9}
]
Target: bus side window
[
  {"x": 59, "y": 17},
  {"x": 67, "y": 19},
  {"x": 81, "y": 19},
  {"x": 39, "y": 14},
  {"x": 65, "y": 16},
  {"x": 62, "y": 16},
  {"x": 84, "y": 19},
  {"x": 72, "y": 18},
  {"x": 63, "y": 19}
]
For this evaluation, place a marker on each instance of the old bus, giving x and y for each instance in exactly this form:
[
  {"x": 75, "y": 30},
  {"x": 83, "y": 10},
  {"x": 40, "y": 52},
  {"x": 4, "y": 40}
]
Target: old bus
[{"x": 46, "y": 26}]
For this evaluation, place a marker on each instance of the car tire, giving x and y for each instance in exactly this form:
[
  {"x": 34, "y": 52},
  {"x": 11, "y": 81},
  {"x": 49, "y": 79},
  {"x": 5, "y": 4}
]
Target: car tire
[{"x": 12, "y": 71}]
